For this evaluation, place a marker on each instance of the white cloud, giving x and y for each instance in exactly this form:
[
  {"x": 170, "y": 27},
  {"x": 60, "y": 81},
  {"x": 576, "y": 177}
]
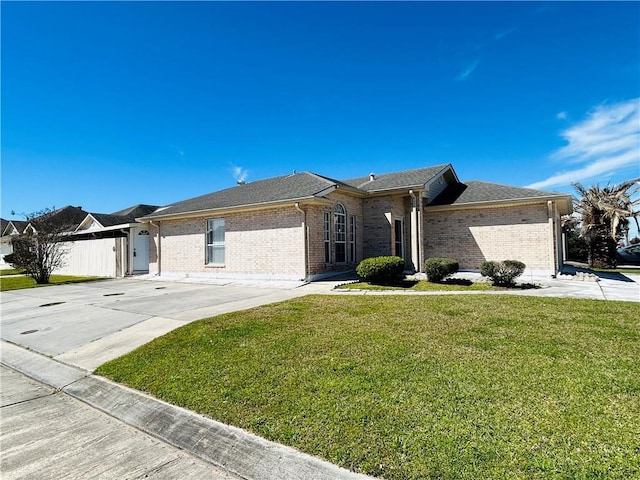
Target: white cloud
[
  {"x": 606, "y": 142},
  {"x": 501, "y": 35},
  {"x": 468, "y": 71},
  {"x": 561, "y": 116}
]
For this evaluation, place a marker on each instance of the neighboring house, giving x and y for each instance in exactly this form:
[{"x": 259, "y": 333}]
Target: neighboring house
[
  {"x": 111, "y": 245},
  {"x": 68, "y": 217},
  {"x": 307, "y": 226},
  {"x": 5, "y": 242},
  {"x": 108, "y": 245}
]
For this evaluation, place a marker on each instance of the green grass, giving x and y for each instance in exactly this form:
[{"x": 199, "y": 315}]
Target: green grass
[
  {"x": 417, "y": 387},
  {"x": 20, "y": 282},
  {"x": 10, "y": 271},
  {"x": 614, "y": 270},
  {"x": 423, "y": 286}
]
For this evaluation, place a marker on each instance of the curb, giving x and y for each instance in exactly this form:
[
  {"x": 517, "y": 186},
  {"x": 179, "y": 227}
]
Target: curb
[{"x": 231, "y": 448}]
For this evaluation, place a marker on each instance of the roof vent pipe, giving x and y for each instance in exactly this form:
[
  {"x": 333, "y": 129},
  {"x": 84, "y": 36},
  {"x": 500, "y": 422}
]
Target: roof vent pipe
[
  {"x": 372, "y": 177},
  {"x": 241, "y": 182}
]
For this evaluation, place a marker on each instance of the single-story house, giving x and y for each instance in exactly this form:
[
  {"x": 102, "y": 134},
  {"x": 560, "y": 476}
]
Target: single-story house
[{"x": 307, "y": 226}]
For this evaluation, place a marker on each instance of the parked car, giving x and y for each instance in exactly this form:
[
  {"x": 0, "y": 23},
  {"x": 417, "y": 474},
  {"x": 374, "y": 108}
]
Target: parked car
[{"x": 629, "y": 255}]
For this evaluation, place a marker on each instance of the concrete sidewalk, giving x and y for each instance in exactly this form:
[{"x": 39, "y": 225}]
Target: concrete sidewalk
[
  {"x": 46, "y": 434},
  {"x": 231, "y": 452}
]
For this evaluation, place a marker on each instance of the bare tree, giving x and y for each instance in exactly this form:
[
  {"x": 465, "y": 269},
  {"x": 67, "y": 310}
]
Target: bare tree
[{"x": 39, "y": 250}]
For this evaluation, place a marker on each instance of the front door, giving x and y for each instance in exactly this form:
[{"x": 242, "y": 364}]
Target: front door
[{"x": 141, "y": 251}]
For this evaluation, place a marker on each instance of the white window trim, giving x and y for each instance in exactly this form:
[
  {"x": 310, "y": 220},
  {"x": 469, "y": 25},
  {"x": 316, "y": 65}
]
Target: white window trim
[{"x": 222, "y": 243}]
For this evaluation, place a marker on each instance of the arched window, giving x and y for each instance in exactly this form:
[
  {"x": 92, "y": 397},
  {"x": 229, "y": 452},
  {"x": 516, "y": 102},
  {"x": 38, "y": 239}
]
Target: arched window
[{"x": 340, "y": 223}]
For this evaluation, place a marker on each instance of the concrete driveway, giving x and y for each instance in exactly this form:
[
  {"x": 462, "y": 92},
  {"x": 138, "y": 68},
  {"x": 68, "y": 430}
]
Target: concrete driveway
[{"x": 90, "y": 323}]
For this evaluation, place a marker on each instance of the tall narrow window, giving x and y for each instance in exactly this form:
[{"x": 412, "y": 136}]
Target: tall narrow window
[
  {"x": 352, "y": 239},
  {"x": 341, "y": 234},
  {"x": 398, "y": 230},
  {"x": 215, "y": 241},
  {"x": 326, "y": 229}
]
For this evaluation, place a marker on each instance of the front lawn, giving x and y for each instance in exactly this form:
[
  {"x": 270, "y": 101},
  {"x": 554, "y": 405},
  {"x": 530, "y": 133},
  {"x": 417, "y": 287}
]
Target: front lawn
[
  {"x": 423, "y": 286},
  {"x": 410, "y": 387},
  {"x": 23, "y": 281},
  {"x": 10, "y": 271}
]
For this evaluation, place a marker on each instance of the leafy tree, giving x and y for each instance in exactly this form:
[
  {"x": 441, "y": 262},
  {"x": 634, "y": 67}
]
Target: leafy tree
[
  {"x": 39, "y": 250},
  {"x": 603, "y": 212},
  {"x": 577, "y": 245}
]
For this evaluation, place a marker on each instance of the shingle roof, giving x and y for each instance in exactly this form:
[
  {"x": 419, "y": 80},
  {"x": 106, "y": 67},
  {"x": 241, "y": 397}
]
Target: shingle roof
[
  {"x": 108, "y": 220},
  {"x": 477, "y": 192},
  {"x": 19, "y": 224},
  {"x": 121, "y": 217},
  {"x": 391, "y": 181},
  {"x": 288, "y": 187},
  {"x": 68, "y": 216},
  {"x": 136, "y": 211}
]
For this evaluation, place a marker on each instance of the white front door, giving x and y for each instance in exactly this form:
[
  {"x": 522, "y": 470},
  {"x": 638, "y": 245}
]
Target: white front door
[{"x": 141, "y": 251}]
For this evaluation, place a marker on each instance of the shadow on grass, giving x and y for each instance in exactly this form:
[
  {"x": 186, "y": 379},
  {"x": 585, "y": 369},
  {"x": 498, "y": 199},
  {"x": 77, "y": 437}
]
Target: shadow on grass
[{"x": 614, "y": 274}]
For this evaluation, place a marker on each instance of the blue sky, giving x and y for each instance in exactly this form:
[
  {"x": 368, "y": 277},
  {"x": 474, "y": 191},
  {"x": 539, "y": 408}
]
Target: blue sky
[{"x": 106, "y": 105}]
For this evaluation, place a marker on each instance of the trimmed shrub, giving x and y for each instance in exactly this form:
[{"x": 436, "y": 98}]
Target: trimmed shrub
[
  {"x": 502, "y": 273},
  {"x": 380, "y": 270},
  {"x": 437, "y": 269},
  {"x": 9, "y": 258}
]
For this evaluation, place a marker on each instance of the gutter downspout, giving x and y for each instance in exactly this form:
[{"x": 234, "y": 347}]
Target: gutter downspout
[
  {"x": 159, "y": 247},
  {"x": 126, "y": 270},
  {"x": 415, "y": 252},
  {"x": 305, "y": 240},
  {"x": 552, "y": 238},
  {"x": 420, "y": 234}
]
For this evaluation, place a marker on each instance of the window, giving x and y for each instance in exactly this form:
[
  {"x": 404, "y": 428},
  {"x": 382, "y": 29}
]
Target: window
[
  {"x": 341, "y": 234},
  {"x": 327, "y": 237},
  {"x": 352, "y": 239},
  {"x": 215, "y": 241},
  {"x": 398, "y": 239}
]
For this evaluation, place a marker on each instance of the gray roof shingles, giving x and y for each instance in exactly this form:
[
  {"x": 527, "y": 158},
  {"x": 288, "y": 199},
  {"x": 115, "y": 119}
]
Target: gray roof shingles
[
  {"x": 391, "y": 181},
  {"x": 288, "y": 187},
  {"x": 305, "y": 185},
  {"x": 477, "y": 192}
]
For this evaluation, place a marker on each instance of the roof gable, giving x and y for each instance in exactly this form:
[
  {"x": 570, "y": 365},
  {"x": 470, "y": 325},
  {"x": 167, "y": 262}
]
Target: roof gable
[
  {"x": 474, "y": 192},
  {"x": 394, "y": 181}
]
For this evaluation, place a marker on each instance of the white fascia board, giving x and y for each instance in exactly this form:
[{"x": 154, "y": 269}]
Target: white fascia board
[
  {"x": 440, "y": 174},
  {"x": 86, "y": 219},
  {"x": 108, "y": 229},
  {"x": 235, "y": 209}
]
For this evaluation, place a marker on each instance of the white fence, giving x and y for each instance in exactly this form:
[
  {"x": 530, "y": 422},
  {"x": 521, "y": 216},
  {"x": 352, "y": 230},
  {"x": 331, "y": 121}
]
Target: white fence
[{"x": 104, "y": 257}]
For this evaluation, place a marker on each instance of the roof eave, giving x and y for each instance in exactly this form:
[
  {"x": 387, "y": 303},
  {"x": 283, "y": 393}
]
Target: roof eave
[
  {"x": 310, "y": 200},
  {"x": 566, "y": 199}
]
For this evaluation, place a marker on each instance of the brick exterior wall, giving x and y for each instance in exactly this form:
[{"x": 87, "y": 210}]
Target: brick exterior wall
[
  {"x": 379, "y": 214},
  {"x": 260, "y": 244},
  {"x": 315, "y": 222},
  {"x": 270, "y": 243},
  {"x": 473, "y": 236}
]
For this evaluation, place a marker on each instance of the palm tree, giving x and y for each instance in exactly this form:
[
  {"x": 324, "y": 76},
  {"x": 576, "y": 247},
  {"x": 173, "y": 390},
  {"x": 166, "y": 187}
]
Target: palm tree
[{"x": 604, "y": 212}]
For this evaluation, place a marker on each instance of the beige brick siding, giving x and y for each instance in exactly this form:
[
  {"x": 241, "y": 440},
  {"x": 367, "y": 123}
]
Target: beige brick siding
[
  {"x": 379, "y": 214},
  {"x": 473, "y": 236},
  {"x": 270, "y": 243},
  {"x": 315, "y": 222},
  {"x": 265, "y": 243}
]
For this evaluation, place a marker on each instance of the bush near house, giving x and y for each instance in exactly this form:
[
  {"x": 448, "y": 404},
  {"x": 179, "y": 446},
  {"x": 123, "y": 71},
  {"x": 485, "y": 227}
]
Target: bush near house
[
  {"x": 381, "y": 270},
  {"x": 502, "y": 273},
  {"x": 437, "y": 269}
]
